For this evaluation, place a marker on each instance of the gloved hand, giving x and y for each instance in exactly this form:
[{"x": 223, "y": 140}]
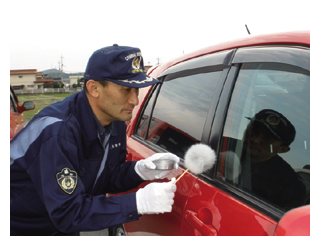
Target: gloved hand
[
  {"x": 156, "y": 198},
  {"x": 146, "y": 168}
]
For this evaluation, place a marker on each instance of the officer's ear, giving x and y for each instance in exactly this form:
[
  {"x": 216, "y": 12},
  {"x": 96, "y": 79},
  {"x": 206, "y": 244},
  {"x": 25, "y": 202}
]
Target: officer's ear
[{"x": 92, "y": 88}]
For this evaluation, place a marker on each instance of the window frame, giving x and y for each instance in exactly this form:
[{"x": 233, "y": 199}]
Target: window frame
[
  {"x": 223, "y": 63},
  {"x": 242, "y": 55},
  {"x": 154, "y": 89}
]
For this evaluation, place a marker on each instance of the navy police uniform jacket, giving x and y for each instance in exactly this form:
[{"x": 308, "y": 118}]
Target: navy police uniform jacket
[{"x": 54, "y": 163}]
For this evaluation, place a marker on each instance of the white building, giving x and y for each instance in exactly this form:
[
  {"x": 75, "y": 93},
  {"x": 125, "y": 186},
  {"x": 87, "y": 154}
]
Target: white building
[
  {"x": 74, "y": 79},
  {"x": 29, "y": 79}
]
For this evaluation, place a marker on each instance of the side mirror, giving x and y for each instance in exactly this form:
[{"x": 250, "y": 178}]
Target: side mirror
[
  {"x": 296, "y": 222},
  {"x": 28, "y": 105}
]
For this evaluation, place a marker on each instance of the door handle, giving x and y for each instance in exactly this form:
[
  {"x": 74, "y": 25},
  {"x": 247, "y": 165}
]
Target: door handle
[{"x": 195, "y": 222}]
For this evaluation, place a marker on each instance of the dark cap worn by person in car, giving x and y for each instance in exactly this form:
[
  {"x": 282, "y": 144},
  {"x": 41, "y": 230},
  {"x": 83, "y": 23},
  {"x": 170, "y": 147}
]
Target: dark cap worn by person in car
[
  {"x": 122, "y": 65},
  {"x": 278, "y": 125}
]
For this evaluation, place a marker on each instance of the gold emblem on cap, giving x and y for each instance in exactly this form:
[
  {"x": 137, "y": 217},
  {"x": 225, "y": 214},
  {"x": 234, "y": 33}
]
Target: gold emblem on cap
[
  {"x": 272, "y": 119},
  {"x": 136, "y": 63}
]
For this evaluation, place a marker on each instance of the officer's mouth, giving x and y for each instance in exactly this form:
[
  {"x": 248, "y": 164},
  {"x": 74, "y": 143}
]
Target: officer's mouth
[
  {"x": 251, "y": 146},
  {"x": 128, "y": 111}
]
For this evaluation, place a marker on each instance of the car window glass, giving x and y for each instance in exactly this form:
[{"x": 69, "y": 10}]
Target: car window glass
[
  {"x": 144, "y": 121},
  {"x": 265, "y": 148},
  {"x": 180, "y": 110}
]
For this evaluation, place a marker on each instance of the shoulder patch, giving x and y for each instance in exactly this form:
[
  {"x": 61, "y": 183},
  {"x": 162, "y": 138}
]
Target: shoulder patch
[{"x": 67, "y": 180}]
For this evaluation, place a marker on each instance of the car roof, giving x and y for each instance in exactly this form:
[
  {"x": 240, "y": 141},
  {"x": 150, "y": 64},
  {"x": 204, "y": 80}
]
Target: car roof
[{"x": 289, "y": 38}]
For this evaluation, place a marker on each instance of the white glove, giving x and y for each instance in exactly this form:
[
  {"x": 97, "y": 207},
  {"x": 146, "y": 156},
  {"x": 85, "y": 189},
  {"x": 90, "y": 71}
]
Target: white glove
[
  {"x": 146, "y": 168},
  {"x": 156, "y": 198}
]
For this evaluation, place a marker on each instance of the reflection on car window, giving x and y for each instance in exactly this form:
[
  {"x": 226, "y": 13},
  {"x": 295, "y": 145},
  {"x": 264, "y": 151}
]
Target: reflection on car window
[
  {"x": 180, "y": 111},
  {"x": 266, "y": 139}
]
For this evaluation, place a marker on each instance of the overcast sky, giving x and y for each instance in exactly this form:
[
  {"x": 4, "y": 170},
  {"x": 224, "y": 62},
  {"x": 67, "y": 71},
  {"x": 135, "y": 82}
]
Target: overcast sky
[{"x": 41, "y": 32}]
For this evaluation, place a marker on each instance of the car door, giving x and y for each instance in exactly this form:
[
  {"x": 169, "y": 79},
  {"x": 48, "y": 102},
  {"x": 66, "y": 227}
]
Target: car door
[
  {"x": 229, "y": 200},
  {"x": 174, "y": 118}
]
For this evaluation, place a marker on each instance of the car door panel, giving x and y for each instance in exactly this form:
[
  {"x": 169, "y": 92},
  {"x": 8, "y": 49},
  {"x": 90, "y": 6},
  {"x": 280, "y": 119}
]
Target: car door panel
[
  {"x": 166, "y": 224},
  {"x": 220, "y": 212},
  {"x": 236, "y": 216},
  {"x": 170, "y": 222}
]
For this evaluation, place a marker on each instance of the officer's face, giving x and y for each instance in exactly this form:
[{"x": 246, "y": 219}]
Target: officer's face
[
  {"x": 260, "y": 142},
  {"x": 116, "y": 102}
]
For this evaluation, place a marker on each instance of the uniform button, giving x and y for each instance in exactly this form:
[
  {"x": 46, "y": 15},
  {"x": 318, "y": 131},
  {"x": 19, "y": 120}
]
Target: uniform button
[{"x": 130, "y": 216}]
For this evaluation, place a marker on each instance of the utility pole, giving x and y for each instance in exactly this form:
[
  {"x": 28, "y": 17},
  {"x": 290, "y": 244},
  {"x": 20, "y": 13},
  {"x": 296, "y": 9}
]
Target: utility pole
[{"x": 61, "y": 68}]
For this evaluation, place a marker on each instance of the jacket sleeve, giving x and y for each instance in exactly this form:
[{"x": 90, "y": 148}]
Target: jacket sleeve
[{"x": 69, "y": 207}]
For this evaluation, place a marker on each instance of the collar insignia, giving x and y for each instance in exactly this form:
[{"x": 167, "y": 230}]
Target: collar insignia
[{"x": 67, "y": 180}]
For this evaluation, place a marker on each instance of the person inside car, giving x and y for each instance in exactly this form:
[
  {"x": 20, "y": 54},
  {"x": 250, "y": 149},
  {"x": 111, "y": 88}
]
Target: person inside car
[
  {"x": 73, "y": 152},
  {"x": 264, "y": 172}
]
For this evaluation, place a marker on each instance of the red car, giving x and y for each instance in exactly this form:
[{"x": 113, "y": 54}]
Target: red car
[
  {"x": 17, "y": 120},
  {"x": 249, "y": 100}
]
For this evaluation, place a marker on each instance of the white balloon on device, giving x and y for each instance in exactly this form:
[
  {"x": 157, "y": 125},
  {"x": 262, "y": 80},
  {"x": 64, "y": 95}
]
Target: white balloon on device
[{"x": 199, "y": 158}]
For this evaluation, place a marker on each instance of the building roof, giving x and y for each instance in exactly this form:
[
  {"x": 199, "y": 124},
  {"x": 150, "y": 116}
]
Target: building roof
[
  {"x": 23, "y": 71},
  {"x": 42, "y": 80}
]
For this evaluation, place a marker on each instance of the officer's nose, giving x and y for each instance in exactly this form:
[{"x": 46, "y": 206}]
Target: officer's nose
[
  {"x": 133, "y": 99},
  {"x": 256, "y": 138}
]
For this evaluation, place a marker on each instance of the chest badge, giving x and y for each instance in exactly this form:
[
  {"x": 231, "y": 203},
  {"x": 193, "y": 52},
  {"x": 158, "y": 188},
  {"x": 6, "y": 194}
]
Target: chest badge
[{"x": 67, "y": 180}]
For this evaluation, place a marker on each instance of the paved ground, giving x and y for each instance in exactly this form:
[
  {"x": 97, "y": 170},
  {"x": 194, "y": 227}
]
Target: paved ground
[{"x": 95, "y": 233}]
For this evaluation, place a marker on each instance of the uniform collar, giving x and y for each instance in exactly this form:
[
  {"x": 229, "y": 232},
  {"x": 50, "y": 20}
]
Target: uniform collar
[{"x": 103, "y": 130}]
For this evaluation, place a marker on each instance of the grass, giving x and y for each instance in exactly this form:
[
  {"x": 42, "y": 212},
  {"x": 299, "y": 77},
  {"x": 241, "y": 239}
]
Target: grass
[{"x": 40, "y": 104}]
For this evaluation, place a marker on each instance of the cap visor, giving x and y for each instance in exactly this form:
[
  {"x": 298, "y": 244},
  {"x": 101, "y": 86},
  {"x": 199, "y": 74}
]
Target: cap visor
[
  {"x": 139, "y": 81},
  {"x": 268, "y": 127}
]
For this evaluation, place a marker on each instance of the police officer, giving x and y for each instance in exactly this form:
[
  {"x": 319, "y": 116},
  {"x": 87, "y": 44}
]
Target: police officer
[
  {"x": 269, "y": 134},
  {"x": 73, "y": 152}
]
